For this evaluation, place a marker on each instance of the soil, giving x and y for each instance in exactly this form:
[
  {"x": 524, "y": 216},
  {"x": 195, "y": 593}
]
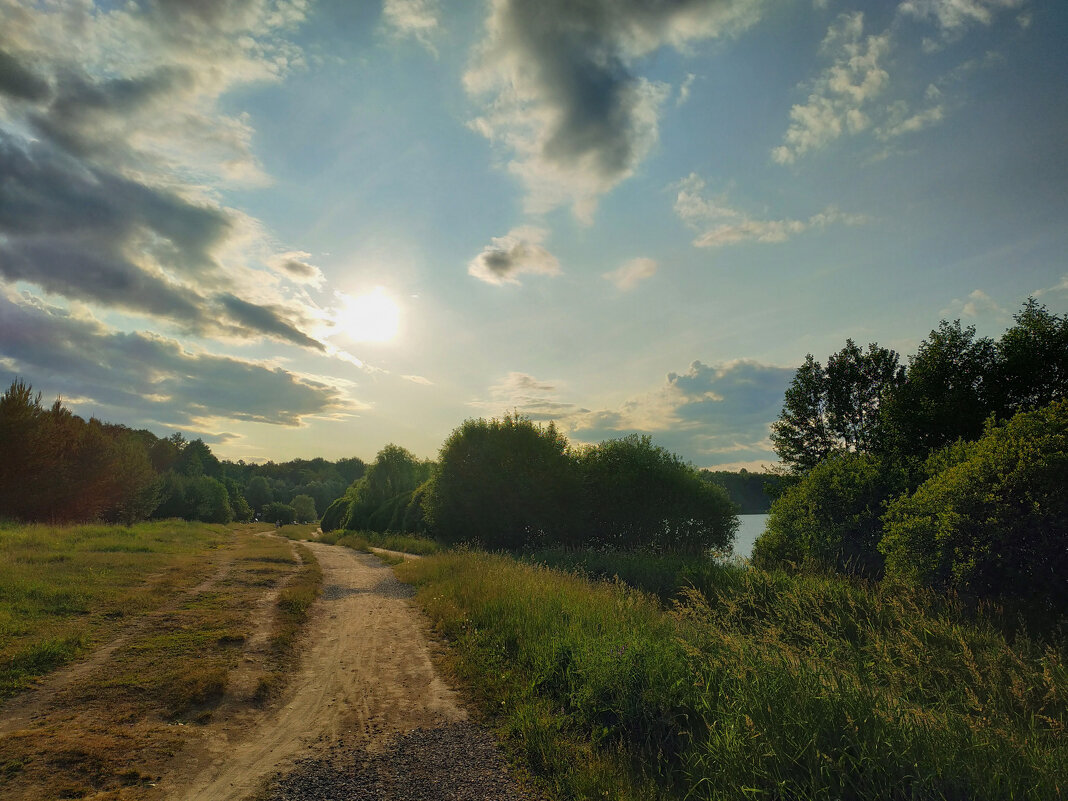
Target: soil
[{"x": 365, "y": 716}]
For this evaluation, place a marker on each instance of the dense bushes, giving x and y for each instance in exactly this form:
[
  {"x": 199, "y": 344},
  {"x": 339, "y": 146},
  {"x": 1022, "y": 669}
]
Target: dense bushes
[
  {"x": 503, "y": 483},
  {"x": 949, "y": 500},
  {"x": 832, "y": 516},
  {"x": 511, "y": 483},
  {"x": 992, "y": 521},
  {"x": 385, "y": 498}
]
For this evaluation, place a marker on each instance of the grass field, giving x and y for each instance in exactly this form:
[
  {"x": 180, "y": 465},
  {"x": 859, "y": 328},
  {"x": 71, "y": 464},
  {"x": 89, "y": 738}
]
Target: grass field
[
  {"x": 753, "y": 685},
  {"x": 175, "y": 605}
]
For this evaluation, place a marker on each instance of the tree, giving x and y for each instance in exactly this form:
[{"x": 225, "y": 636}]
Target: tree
[
  {"x": 281, "y": 513},
  {"x": 641, "y": 496},
  {"x": 832, "y": 516},
  {"x": 1032, "y": 368},
  {"x": 378, "y": 500},
  {"x": 837, "y": 408},
  {"x": 948, "y": 394},
  {"x": 992, "y": 520},
  {"x": 258, "y": 493},
  {"x": 304, "y": 509},
  {"x": 503, "y": 484}
]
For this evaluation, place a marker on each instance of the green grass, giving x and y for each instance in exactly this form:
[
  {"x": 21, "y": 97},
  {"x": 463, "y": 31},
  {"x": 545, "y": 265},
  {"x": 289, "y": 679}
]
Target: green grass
[
  {"x": 63, "y": 588},
  {"x": 755, "y": 685},
  {"x": 365, "y": 540}
]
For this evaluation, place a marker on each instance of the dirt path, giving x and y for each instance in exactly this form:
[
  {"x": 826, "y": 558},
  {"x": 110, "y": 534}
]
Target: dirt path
[{"x": 365, "y": 687}]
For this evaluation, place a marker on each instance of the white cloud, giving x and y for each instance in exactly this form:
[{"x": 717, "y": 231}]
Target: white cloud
[
  {"x": 560, "y": 94},
  {"x": 517, "y": 252},
  {"x": 1061, "y": 287},
  {"x": 719, "y": 225},
  {"x": 954, "y": 15},
  {"x": 842, "y": 94},
  {"x": 977, "y": 303},
  {"x": 632, "y": 273},
  {"x": 684, "y": 89},
  {"x": 418, "y": 19}
]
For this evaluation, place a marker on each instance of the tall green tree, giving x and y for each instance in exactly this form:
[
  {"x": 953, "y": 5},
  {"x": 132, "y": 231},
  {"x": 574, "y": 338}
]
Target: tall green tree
[
  {"x": 1032, "y": 369},
  {"x": 837, "y": 408}
]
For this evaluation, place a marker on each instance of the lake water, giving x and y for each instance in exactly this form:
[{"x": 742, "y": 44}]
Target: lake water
[{"x": 752, "y": 526}]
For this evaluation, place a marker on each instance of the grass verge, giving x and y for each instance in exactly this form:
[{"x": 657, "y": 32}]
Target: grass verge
[
  {"x": 365, "y": 540},
  {"x": 759, "y": 685}
]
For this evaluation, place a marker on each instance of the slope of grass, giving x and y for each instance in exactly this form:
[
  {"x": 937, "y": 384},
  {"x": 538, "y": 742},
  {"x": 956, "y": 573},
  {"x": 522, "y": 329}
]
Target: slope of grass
[{"x": 756, "y": 684}]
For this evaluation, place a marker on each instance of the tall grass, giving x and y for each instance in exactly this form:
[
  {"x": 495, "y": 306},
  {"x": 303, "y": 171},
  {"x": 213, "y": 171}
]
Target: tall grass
[{"x": 755, "y": 684}]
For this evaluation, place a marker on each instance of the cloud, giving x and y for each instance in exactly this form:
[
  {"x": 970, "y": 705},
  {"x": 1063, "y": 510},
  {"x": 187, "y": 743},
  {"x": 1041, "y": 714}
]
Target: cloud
[
  {"x": 113, "y": 146},
  {"x": 709, "y": 414},
  {"x": 976, "y": 304},
  {"x": 529, "y": 396},
  {"x": 1061, "y": 287},
  {"x": 720, "y": 225},
  {"x": 517, "y": 252},
  {"x": 294, "y": 265},
  {"x": 632, "y": 273},
  {"x": 954, "y": 15},
  {"x": 684, "y": 89},
  {"x": 842, "y": 93},
  {"x": 418, "y": 19},
  {"x": 152, "y": 378},
  {"x": 561, "y": 94}
]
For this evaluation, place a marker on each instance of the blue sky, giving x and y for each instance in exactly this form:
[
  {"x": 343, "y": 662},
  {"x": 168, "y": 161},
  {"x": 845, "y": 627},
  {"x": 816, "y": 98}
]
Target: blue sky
[{"x": 312, "y": 228}]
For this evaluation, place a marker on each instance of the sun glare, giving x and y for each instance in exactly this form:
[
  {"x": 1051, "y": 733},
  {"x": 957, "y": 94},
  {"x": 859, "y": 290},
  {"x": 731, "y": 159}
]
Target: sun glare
[{"x": 372, "y": 317}]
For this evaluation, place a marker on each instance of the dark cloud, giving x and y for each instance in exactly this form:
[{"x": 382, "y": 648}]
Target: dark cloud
[
  {"x": 18, "y": 81},
  {"x": 568, "y": 99},
  {"x": 266, "y": 319},
  {"x": 152, "y": 378},
  {"x": 519, "y": 251}
]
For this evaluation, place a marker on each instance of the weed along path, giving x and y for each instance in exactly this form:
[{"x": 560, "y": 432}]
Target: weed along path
[{"x": 364, "y": 716}]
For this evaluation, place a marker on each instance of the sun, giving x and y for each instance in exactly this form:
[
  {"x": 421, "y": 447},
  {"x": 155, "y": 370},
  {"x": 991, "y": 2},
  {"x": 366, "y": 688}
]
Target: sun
[{"x": 371, "y": 317}]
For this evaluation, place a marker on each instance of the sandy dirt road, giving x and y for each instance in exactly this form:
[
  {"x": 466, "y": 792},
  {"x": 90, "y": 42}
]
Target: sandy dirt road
[{"x": 366, "y": 685}]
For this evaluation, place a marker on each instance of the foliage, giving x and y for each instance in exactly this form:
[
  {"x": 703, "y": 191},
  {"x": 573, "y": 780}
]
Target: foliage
[
  {"x": 949, "y": 393},
  {"x": 281, "y": 513},
  {"x": 1033, "y": 360},
  {"x": 304, "y": 508},
  {"x": 258, "y": 493},
  {"x": 832, "y": 516},
  {"x": 502, "y": 483},
  {"x": 379, "y": 500},
  {"x": 58, "y": 467},
  {"x": 784, "y": 686},
  {"x": 335, "y": 514},
  {"x": 992, "y": 521},
  {"x": 639, "y": 495},
  {"x": 837, "y": 408}
]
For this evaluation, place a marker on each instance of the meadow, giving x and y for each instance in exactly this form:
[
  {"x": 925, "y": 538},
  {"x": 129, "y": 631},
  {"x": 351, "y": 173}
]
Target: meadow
[
  {"x": 159, "y": 618},
  {"x": 726, "y": 682}
]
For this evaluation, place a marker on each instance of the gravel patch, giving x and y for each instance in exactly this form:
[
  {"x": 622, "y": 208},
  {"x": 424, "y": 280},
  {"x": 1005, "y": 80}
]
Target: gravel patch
[{"x": 456, "y": 762}]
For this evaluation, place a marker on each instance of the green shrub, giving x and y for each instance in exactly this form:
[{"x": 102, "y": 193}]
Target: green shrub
[
  {"x": 276, "y": 512},
  {"x": 992, "y": 522},
  {"x": 832, "y": 516}
]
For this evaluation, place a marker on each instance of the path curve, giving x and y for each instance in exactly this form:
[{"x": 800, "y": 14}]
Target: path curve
[{"x": 365, "y": 677}]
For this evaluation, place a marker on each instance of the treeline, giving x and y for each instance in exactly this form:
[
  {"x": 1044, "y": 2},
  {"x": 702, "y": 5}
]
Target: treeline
[
  {"x": 752, "y": 493},
  {"x": 57, "y": 467},
  {"x": 512, "y": 484},
  {"x": 949, "y": 471}
]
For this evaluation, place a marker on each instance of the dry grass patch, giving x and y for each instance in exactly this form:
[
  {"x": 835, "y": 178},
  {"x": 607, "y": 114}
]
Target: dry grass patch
[{"x": 111, "y": 732}]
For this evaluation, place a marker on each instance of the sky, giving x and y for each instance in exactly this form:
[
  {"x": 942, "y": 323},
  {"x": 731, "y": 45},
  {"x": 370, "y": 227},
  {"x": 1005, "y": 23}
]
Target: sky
[{"x": 296, "y": 228}]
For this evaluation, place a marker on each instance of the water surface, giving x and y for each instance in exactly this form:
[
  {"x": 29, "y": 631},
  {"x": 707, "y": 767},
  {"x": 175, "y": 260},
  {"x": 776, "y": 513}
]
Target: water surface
[{"x": 752, "y": 526}]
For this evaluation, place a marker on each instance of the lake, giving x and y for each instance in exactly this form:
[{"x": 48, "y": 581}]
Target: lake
[{"x": 752, "y": 526}]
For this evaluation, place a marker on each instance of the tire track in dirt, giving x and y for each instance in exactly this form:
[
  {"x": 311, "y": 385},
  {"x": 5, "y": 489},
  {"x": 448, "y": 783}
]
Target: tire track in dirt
[{"x": 365, "y": 678}]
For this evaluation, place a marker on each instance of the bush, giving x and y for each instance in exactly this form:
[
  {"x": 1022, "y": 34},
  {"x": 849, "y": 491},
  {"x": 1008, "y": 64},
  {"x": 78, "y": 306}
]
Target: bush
[
  {"x": 335, "y": 514},
  {"x": 502, "y": 483},
  {"x": 639, "y": 495},
  {"x": 832, "y": 516},
  {"x": 992, "y": 522},
  {"x": 276, "y": 512},
  {"x": 304, "y": 508}
]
